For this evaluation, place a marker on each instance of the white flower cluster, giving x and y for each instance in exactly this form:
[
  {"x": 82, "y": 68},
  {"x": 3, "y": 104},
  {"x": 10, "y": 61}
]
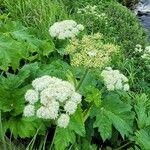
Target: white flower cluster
[
  {"x": 114, "y": 80},
  {"x": 92, "y": 53},
  {"x": 146, "y": 54},
  {"x": 65, "y": 29},
  {"x": 143, "y": 53},
  {"x": 57, "y": 100},
  {"x": 138, "y": 48},
  {"x": 91, "y": 10}
]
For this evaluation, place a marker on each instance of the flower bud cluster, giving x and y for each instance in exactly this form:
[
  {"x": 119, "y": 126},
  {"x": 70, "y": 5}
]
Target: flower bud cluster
[
  {"x": 114, "y": 80},
  {"x": 146, "y": 55},
  {"x": 90, "y": 10},
  {"x": 138, "y": 48},
  {"x": 90, "y": 51},
  {"x": 143, "y": 53},
  {"x": 57, "y": 99},
  {"x": 65, "y": 29}
]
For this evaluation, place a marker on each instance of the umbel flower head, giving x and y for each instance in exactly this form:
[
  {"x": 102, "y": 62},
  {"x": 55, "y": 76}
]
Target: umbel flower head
[
  {"x": 90, "y": 51},
  {"x": 146, "y": 54},
  {"x": 114, "y": 80},
  {"x": 91, "y": 11},
  {"x": 57, "y": 100},
  {"x": 29, "y": 110},
  {"x": 138, "y": 48},
  {"x": 65, "y": 29}
]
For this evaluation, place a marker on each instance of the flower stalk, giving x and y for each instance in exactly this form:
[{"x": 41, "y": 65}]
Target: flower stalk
[{"x": 52, "y": 143}]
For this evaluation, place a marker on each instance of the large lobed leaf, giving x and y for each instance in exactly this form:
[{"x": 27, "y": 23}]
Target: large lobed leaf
[
  {"x": 66, "y": 136},
  {"x": 12, "y": 93},
  {"x": 24, "y": 127},
  {"x": 17, "y": 44},
  {"x": 115, "y": 113},
  {"x": 142, "y": 109},
  {"x": 63, "y": 138},
  {"x": 142, "y": 138}
]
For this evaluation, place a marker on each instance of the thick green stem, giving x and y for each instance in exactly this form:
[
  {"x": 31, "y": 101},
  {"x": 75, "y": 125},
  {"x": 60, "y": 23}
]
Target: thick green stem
[
  {"x": 52, "y": 143},
  {"x": 81, "y": 81}
]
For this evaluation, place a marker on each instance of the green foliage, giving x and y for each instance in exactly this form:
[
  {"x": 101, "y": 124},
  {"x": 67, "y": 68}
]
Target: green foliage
[
  {"x": 12, "y": 102},
  {"x": 63, "y": 138},
  {"x": 142, "y": 109},
  {"x": 39, "y": 14},
  {"x": 17, "y": 44},
  {"x": 86, "y": 145},
  {"x": 12, "y": 90},
  {"x": 119, "y": 25},
  {"x": 77, "y": 123},
  {"x": 76, "y": 126},
  {"x": 11, "y": 93},
  {"x": 93, "y": 95},
  {"x": 113, "y": 112},
  {"x": 128, "y": 3},
  {"x": 103, "y": 120},
  {"x": 54, "y": 69},
  {"x": 142, "y": 138},
  {"x": 22, "y": 127}
]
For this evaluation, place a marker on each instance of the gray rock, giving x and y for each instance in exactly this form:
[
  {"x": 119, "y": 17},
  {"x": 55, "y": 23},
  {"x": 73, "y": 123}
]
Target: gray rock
[
  {"x": 142, "y": 10},
  {"x": 143, "y": 7}
]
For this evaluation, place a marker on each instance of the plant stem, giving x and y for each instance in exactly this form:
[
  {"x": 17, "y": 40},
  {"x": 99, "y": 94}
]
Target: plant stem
[
  {"x": 2, "y": 137},
  {"x": 32, "y": 142},
  {"x": 81, "y": 81},
  {"x": 87, "y": 114},
  {"x": 121, "y": 147},
  {"x": 52, "y": 143}
]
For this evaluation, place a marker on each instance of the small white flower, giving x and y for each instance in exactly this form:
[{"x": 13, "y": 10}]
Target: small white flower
[
  {"x": 43, "y": 113},
  {"x": 40, "y": 83},
  {"x": 49, "y": 111},
  {"x": 65, "y": 29},
  {"x": 92, "y": 53},
  {"x": 147, "y": 49},
  {"x": 80, "y": 27},
  {"x": 63, "y": 120},
  {"x": 110, "y": 87},
  {"x": 119, "y": 85},
  {"x": 31, "y": 96},
  {"x": 53, "y": 113},
  {"x": 124, "y": 78},
  {"x": 138, "y": 46},
  {"x": 103, "y": 14},
  {"x": 63, "y": 91},
  {"x": 53, "y": 105},
  {"x": 113, "y": 79},
  {"x": 43, "y": 82},
  {"x": 75, "y": 31},
  {"x": 79, "y": 11},
  {"x": 62, "y": 35},
  {"x": 126, "y": 87},
  {"x": 46, "y": 96},
  {"x": 29, "y": 111},
  {"x": 76, "y": 97},
  {"x": 144, "y": 56},
  {"x": 70, "y": 107}
]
